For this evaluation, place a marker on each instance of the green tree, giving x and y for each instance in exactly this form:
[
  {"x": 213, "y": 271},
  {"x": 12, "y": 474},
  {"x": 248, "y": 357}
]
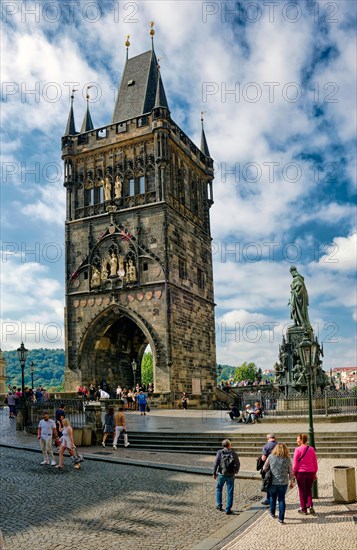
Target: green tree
[
  {"x": 147, "y": 369},
  {"x": 246, "y": 371}
]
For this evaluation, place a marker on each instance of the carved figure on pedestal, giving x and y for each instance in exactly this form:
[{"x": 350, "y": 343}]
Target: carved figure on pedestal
[
  {"x": 279, "y": 372},
  {"x": 118, "y": 188},
  {"x": 131, "y": 272},
  {"x": 299, "y": 300},
  {"x": 321, "y": 378},
  {"x": 299, "y": 375},
  {"x": 121, "y": 270},
  {"x": 95, "y": 280},
  {"x": 107, "y": 189},
  {"x": 104, "y": 274},
  {"x": 113, "y": 265}
]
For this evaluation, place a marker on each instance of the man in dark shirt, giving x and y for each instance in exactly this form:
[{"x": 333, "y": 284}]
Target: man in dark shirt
[
  {"x": 267, "y": 449},
  {"x": 60, "y": 415},
  {"x": 234, "y": 412},
  {"x": 225, "y": 458}
]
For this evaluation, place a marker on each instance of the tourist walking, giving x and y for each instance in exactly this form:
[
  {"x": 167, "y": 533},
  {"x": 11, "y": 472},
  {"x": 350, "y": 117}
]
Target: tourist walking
[
  {"x": 225, "y": 468},
  {"x": 142, "y": 402},
  {"x": 120, "y": 427},
  {"x": 45, "y": 431},
  {"x": 305, "y": 469},
  {"x": 60, "y": 415},
  {"x": 266, "y": 451},
  {"x": 11, "y": 400},
  {"x": 67, "y": 441},
  {"x": 184, "y": 400},
  {"x": 279, "y": 464},
  {"x": 108, "y": 425}
]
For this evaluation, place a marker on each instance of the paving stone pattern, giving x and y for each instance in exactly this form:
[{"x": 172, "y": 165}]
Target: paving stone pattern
[{"x": 106, "y": 506}]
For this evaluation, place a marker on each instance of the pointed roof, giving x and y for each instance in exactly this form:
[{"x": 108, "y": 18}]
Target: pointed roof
[
  {"x": 71, "y": 127},
  {"x": 160, "y": 98},
  {"x": 138, "y": 88},
  {"x": 87, "y": 123},
  {"x": 204, "y": 146}
]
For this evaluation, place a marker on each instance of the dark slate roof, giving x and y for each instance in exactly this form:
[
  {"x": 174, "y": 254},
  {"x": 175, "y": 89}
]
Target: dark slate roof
[
  {"x": 71, "y": 127},
  {"x": 160, "y": 98},
  {"x": 204, "y": 146},
  {"x": 87, "y": 123},
  {"x": 138, "y": 98}
]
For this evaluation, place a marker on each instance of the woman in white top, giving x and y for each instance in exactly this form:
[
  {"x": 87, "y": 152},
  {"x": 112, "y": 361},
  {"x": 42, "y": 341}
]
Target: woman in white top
[{"x": 66, "y": 441}]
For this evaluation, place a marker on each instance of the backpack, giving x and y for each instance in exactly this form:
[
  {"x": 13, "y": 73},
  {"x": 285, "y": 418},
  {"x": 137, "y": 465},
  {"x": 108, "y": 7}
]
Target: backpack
[{"x": 227, "y": 463}]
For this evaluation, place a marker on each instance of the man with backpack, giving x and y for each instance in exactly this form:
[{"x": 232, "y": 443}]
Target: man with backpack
[{"x": 226, "y": 466}]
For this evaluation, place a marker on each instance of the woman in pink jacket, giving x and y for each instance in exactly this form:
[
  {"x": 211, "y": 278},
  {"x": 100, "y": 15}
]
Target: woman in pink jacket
[{"x": 305, "y": 470}]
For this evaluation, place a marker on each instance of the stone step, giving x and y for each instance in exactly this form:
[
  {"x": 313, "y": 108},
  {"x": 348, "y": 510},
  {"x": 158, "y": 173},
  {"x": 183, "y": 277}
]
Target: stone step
[{"x": 242, "y": 452}]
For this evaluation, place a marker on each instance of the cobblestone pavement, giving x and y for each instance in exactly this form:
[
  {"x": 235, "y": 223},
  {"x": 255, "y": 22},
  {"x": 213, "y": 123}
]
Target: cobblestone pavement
[
  {"x": 334, "y": 526},
  {"x": 106, "y": 506}
]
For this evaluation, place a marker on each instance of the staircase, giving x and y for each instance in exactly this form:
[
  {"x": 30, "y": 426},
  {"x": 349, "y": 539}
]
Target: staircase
[{"x": 328, "y": 445}]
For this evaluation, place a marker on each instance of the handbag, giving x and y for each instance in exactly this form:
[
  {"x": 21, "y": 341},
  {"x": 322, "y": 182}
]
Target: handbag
[
  {"x": 260, "y": 463},
  {"x": 266, "y": 481}
]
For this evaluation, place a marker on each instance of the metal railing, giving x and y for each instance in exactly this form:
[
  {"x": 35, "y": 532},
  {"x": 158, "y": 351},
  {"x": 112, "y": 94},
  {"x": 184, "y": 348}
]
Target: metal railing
[
  {"x": 74, "y": 410},
  {"x": 329, "y": 402}
]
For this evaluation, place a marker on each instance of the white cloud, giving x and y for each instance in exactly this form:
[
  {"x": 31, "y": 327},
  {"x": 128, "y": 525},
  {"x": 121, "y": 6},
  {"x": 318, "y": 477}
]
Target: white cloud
[{"x": 341, "y": 254}]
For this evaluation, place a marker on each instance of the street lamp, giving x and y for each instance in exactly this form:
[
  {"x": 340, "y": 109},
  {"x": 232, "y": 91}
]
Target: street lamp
[
  {"x": 32, "y": 370},
  {"x": 22, "y": 354},
  {"x": 307, "y": 352},
  {"x": 134, "y": 366}
]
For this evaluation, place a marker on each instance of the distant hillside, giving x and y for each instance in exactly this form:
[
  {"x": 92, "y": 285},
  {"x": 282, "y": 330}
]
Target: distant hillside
[{"x": 49, "y": 368}]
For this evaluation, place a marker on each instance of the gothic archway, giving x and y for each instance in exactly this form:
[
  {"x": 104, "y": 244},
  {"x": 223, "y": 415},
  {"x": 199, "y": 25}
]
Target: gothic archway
[{"x": 112, "y": 341}]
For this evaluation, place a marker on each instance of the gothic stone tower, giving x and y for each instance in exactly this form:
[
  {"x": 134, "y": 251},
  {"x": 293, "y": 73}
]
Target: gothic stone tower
[{"x": 138, "y": 245}]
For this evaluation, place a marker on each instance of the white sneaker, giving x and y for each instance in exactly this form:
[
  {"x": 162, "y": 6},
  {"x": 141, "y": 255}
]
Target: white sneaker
[
  {"x": 127, "y": 444},
  {"x": 44, "y": 462},
  {"x": 114, "y": 447},
  {"x": 103, "y": 444},
  {"x": 53, "y": 463}
]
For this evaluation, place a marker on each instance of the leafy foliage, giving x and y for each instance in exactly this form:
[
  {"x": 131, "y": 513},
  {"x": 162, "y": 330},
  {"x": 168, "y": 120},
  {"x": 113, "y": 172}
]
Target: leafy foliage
[
  {"x": 48, "y": 368},
  {"x": 226, "y": 374},
  {"x": 247, "y": 371},
  {"x": 147, "y": 369}
]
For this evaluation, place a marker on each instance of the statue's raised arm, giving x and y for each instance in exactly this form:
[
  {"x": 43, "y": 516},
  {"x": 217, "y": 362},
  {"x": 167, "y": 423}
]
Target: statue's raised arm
[{"x": 299, "y": 300}]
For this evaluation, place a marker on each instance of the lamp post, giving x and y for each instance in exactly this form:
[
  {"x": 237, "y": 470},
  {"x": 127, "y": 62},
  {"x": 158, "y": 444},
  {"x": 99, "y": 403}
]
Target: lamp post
[
  {"x": 32, "y": 370},
  {"x": 307, "y": 352},
  {"x": 134, "y": 366},
  {"x": 22, "y": 354}
]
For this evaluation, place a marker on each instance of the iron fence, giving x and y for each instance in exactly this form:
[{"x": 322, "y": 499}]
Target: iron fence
[
  {"x": 74, "y": 410},
  {"x": 326, "y": 403}
]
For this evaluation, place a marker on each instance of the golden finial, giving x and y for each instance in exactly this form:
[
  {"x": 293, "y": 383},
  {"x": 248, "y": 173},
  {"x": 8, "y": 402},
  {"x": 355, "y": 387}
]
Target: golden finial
[
  {"x": 202, "y": 117},
  {"x": 152, "y": 30},
  {"x": 88, "y": 88},
  {"x": 72, "y": 96},
  {"x": 127, "y": 43}
]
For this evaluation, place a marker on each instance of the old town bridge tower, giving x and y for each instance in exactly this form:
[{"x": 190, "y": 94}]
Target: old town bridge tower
[{"x": 138, "y": 244}]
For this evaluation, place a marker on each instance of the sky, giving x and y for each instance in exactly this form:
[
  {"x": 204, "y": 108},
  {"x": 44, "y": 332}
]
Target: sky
[{"x": 277, "y": 84}]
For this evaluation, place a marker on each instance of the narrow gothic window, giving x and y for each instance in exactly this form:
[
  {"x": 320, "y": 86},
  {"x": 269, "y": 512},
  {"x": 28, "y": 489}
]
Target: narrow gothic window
[
  {"x": 141, "y": 185},
  {"x": 88, "y": 197},
  {"x": 182, "y": 269}
]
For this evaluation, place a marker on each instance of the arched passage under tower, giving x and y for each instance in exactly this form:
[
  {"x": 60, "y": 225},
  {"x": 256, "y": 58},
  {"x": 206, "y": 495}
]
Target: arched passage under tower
[{"x": 113, "y": 341}]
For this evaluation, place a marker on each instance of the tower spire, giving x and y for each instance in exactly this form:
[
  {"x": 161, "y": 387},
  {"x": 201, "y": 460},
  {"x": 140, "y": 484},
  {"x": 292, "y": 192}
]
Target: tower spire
[
  {"x": 87, "y": 123},
  {"x": 204, "y": 146},
  {"x": 127, "y": 44},
  {"x": 71, "y": 127},
  {"x": 152, "y": 34},
  {"x": 160, "y": 97}
]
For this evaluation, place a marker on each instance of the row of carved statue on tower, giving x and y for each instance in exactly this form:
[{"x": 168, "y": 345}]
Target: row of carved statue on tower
[
  {"x": 113, "y": 267},
  {"x": 107, "y": 188}
]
